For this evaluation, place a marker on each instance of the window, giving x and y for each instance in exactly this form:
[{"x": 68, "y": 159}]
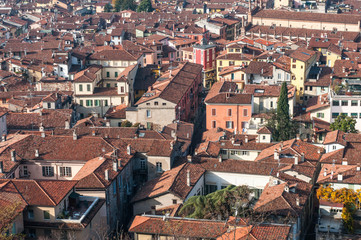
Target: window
[
  {"x": 96, "y": 103},
  {"x": 213, "y": 112},
  {"x": 122, "y": 89},
  {"x": 354, "y": 103},
  {"x": 108, "y": 74},
  {"x": 156, "y": 103},
  {"x": 245, "y": 153},
  {"x": 114, "y": 187},
  {"x": 30, "y": 214},
  {"x": 46, "y": 215},
  {"x": 105, "y": 102},
  {"x": 271, "y": 104},
  {"x": 232, "y": 76},
  {"x": 25, "y": 170},
  {"x": 61, "y": 69},
  {"x": 48, "y": 171},
  {"x": 143, "y": 164},
  {"x": 148, "y": 114},
  {"x": 65, "y": 171},
  {"x": 229, "y": 112},
  {"x": 116, "y": 74},
  {"x": 164, "y": 104},
  {"x": 320, "y": 137},
  {"x": 335, "y": 115},
  {"x": 88, "y": 87},
  {"x": 159, "y": 167},
  {"x": 294, "y": 66},
  {"x": 223, "y": 152},
  {"x": 320, "y": 115},
  {"x": 229, "y": 124},
  {"x": 344, "y": 114},
  {"x": 81, "y": 102},
  {"x": 214, "y": 125},
  {"x": 333, "y": 147},
  {"x": 264, "y": 137},
  {"x": 354, "y": 115},
  {"x": 344, "y": 103},
  {"x": 220, "y": 63},
  {"x": 245, "y": 112},
  {"x": 89, "y": 103},
  {"x": 147, "y": 103},
  {"x": 108, "y": 85},
  {"x": 335, "y": 103},
  {"x": 279, "y": 76},
  {"x": 49, "y": 105},
  {"x": 80, "y": 87},
  {"x": 174, "y": 201}
]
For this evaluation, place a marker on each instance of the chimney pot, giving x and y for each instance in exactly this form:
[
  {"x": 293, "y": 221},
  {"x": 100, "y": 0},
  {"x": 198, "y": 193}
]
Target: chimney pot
[
  {"x": 13, "y": 155},
  {"x": 296, "y": 159},
  {"x": 75, "y": 137},
  {"x": 339, "y": 177},
  {"x": 36, "y": 152},
  {"x": 189, "y": 158},
  {"x": 188, "y": 178},
  {"x": 129, "y": 149},
  {"x": 67, "y": 124}
]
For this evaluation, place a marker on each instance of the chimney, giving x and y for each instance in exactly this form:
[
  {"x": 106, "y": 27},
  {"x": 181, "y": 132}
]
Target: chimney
[
  {"x": 189, "y": 158},
  {"x": 232, "y": 140},
  {"x": 75, "y": 137},
  {"x": 276, "y": 155},
  {"x": 188, "y": 178},
  {"x": 287, "y": 189},
  {"x": 106, "y": 174},
  {"x": 129, "y": 149},
  {"x": 358, "y": 167},
  {"x": 298, "y": 201},
  {"x": 298, "y": 136},
  {"x": 319, "y": 151},
  {"x": 13, "y": 155},
  {"x": 246, "y": 139},
  {"x": 3, "y": 138},
  {"x": 325, "y": 172},
  {"x": 36, "y": 152},
  {"x": 220, "y": 158},
  {"x": 281, "y": 146},
  {"x": 67, "y": 124},
  {"x": 344, "y": 161},
  {"x": 43, "y": 134},
  {"x": 302, "y": 157},
  {"x": 93, "y": 133},
  {"x": 173, "y": 134},
  {"x": 1, "y": 167},
  {"x": 115, "y": 166},
  {"x": 296, "y": 160},
  {"x": 107, "y": 124},
  {"x": 339, "y": 177}
]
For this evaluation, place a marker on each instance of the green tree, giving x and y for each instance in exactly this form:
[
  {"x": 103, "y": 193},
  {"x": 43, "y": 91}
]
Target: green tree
[
  {"x": 145, "y": 6},
  {"x": 344, "y": 123},
  {"x": 118, "y": 5},
  {"x": 126, "y": 123},
  {"x": 219, "y": 204},
  {"x": 108, "y": 7},
  {"x": 129, "y": 5},
  {"x": 283, "y": 127}
]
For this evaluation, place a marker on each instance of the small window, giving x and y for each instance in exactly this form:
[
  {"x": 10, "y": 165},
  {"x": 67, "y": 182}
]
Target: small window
[
  {"x": 229, "y": 124},
  {"x": 65, "y": 171},
  {"x": 164, "y": 104},
  {"x": 30, "y": 214},
  {"x": 320, "y": 115},
  {"x": 213, "y": 112},
  {"x": 245, "y": 112},
  {"x": 108, "y": 74},
  {"x": 354, "y": 102},
  {"x": 156, "y": 103},
  {"x": 49, "y": 105},
  {"x": 147, "y": 103},
  {"x": 46, "y": 215},
  {"x": 214, "y": 124},
  {"x": 148, "y": 113},
  {"x": 335, "y": 103},
  {"x": 344, "y": 103},
  {"x": 96, "y": 103},
  {"x": 116, "y": 74},
  {"x": 48, "y": 171},
  {"x": 143, "y": 164},
  {"x": 354, "y": 115},
  {"x": 229, "y": 112},
  {"x": 335, "y": 115},
  {"x": 88, "y": 88},
  {"x": 174, "y": 201},
  {"x": 159, "y": 167},
  {"x": 80, "y": 87},
  {"x": 89, "y": 103},
  {"x": 122, "y": 89}
]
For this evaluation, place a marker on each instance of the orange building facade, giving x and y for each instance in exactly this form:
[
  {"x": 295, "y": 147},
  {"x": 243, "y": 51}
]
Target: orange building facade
[{"x": 229, "y": 116}]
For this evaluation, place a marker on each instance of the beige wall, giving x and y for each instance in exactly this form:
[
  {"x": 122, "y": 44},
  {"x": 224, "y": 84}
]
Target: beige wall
[
  {"x": 305, "y": 24},
  {"x": 152, "y": 160},
  {"x": 159, "y": 202}
]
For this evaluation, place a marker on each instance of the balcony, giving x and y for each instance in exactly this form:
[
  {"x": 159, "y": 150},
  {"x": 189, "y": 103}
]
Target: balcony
[{"x": 79, "y": 207}]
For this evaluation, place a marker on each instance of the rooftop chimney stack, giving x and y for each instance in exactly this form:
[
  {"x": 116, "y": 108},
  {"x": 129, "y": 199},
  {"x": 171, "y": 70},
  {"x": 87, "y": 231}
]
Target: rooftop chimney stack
[
  {"x": 189, "y": 158},
  {"x": 276, "y": 155},
  {"x": 129, "y": 149},
  {"x": 296, "y": 160},
  {"x": 36, "y": 152},
  {"x": 3, "y": 138},
  {"x": 188, "y": 178},
  {"x": 13, "y": 155},
  {"x": 75, "y": 137},
  {"x": 67, "y": 124},
  {"x": 298, "y": 201},
  {"x": 246, "y": 139},
  {"x": 106, "y": 174},
  {"x": 339, "y": 177},
  {"x": 115, "y": 165},
  {"x": 1, "y": 167}
]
